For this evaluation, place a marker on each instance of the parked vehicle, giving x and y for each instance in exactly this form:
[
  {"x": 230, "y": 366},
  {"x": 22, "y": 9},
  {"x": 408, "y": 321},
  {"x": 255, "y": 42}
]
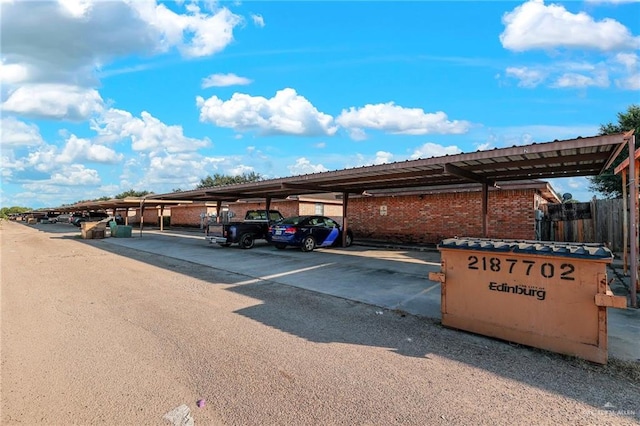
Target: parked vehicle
[
  {"x": 61, "y": 218},
  {"x": 254, "y": 227},
  {"x": 307, "y": 232},
  {"x": 90, "y": 217}
]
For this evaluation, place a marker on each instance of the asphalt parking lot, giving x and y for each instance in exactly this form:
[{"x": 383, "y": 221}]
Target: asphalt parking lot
[{"x": 385, "y": 278}]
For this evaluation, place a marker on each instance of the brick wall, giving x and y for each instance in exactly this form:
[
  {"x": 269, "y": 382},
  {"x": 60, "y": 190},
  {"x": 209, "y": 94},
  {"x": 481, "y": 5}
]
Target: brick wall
[
  {"x": 285, "y": 207},
  {"x": 189, "y": 215},
  {"x": 430, "y": 218},
  {"x": 150, "y": 216}
]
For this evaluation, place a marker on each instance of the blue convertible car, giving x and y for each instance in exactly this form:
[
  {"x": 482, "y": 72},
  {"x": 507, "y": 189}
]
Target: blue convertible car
[{"x": 307, "y": 232}]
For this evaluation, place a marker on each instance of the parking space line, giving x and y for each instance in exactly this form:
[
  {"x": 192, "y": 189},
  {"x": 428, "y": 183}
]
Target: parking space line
[{"x": 282, "y": 274}]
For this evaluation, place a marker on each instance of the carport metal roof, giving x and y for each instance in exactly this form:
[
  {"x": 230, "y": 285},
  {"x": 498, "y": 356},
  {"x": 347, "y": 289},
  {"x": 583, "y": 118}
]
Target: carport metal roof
[
  {"x": 574, "y": 157},
  {"x": 119, "y": 203}
]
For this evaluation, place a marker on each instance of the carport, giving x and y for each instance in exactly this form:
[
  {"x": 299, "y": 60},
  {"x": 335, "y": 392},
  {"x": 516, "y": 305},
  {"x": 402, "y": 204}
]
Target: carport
[
  {"x": 117, "y": 204},
  {"x": 587, "y": 156}
]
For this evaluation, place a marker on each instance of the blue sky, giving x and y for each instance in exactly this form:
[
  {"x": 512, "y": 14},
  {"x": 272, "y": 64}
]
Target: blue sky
[{"x": 99, "y": 97}]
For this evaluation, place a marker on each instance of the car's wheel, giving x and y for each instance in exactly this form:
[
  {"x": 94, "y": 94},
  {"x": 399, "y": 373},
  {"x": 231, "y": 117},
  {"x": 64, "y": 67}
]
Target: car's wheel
[
  {"x": 246, "y": 241},
  {"x": 349, "y": 240},
  {"x": 224, "y": 244},
  {"x": 281, "y": 246},
  {"x": 308, "y": 244}
]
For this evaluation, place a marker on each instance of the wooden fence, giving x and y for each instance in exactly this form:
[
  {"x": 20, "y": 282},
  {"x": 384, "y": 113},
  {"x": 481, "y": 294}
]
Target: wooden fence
[{"x": 599, "y": 221}]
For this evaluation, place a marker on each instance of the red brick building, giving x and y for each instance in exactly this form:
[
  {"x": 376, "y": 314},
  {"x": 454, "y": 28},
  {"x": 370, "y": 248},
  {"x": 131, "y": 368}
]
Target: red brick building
[{"x": 427, "y": 215}]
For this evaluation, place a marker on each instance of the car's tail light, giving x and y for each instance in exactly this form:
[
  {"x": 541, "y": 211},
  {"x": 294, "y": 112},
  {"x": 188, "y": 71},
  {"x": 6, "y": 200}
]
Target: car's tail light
[
  {"x": 271, "y": 229},
  {"x": 291, "y": 230}
]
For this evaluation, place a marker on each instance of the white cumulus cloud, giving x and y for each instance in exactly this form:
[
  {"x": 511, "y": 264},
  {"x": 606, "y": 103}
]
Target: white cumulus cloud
[
  {"x": 13, "y": 73},
  {"x": 534, "y": 25},
  {"x": 223, "y": 80},
  {"x": 146, "y": 133},
  {"x": 75, "y": 175},
  {"x": 258, "y": 20},
  {"x": 631, "y": 63},
  {"x": 79, "y": 149},
  {"x": 51, "y": 48},
  {"x": 15, "y": 133},
  {"x": 527, "y": 77},
  {"x": 287, "y": 113},
  {"x": 429, "y": 150},
  {"x": 383, "y": 157},
  {"x": 59, "y": 101},
  {"x": 303, "y": 166},
  {"x": 391, "y": 118},
  {"x": 577, "y": 80}
]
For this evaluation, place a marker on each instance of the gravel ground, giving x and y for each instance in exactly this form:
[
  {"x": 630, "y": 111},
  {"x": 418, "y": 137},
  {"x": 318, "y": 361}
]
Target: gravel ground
[{"x": 92, "y": 336}]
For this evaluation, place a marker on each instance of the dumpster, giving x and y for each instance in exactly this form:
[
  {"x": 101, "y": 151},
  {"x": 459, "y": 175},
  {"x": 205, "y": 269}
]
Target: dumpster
[
  {"x": 121, "y": 231},
  {"x": 548, "y": 295},
  {"x": 90, "y": 230}
]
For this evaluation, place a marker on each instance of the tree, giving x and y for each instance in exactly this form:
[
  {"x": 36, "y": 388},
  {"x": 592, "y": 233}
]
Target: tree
[
  {"x": 220, "y": 180},
  {"x": 5, "y": 212},
  {"x": 608, "y": 183},
  {"x": 132, "y": 193}
]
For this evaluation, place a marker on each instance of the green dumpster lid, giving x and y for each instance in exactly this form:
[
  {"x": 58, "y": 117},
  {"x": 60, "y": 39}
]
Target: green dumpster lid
[{"x": 548, "y": 248}]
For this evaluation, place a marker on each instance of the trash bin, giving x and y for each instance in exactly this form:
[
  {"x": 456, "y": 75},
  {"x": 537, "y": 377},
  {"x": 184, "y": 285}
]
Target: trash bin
[
  {"x": 548, "y": 295},
  {"x": 121, "y": 231}
]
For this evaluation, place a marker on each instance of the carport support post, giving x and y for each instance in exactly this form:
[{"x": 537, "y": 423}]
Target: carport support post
[
  {"x": 345, "y": 202},
  {"x": 485, "y": 203},
  {"x": 625, "y": 223},
  {"x": 161, "y": 217},
  {"x": 218, "y": 213},
  {"x": 268, "y": 207},
  {"x": 633, "y": 211},
  {"x": 141, "y": 215}
]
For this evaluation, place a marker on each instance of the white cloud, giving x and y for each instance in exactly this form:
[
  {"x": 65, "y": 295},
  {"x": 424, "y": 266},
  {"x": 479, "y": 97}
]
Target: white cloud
[
  {"x": 78, "y": 149},
  {"x": 528, "y": 77},
  {"x": 16, "y": 133},
  {"x": 42, "y": 160},
  {"x": 258, "y": 20},
  {"x": 304, "y": 166},
  {"x": 240, "y": 169},
  {"x": 195, "y": 33},
  {"x": 287, "y": 113},
  {"x": 575, "y": 80},
  {"x": 383, "y": 157},
  {"x": 534, "y": 25},
  {"x": 76, "y": 8},
  {"x": 429, "y": 150},
  {"x": 223, "y": 80},
  {"x": 54, "y": 101},
  {"x": 631, "y": 63},
  {"x": 66, "y": 42},
  {"x": 13, "y": 73},
  {"x": 75, "y": 175},
  {"x": 391, "y": 118},
  {"x": 622, "y": 68},
  {"x": 147, "y": 133},
  {"x": 184, "y": 170}
]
